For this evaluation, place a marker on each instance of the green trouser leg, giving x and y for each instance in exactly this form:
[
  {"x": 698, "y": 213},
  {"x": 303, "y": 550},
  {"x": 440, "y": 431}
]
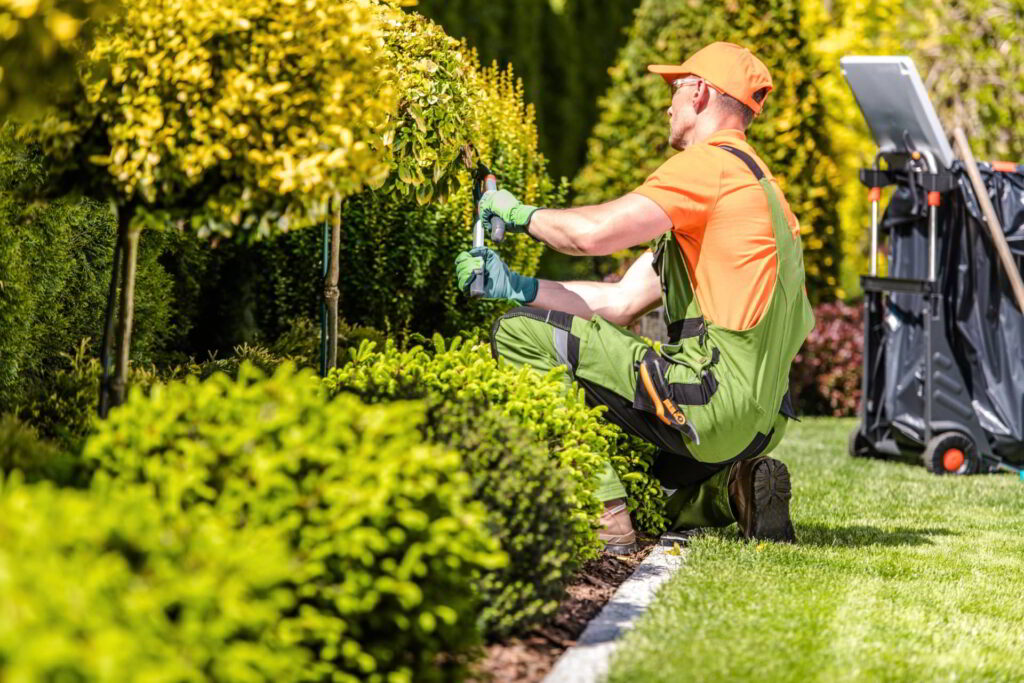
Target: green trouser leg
[
  {"x": 702, "y": 504},
  {"x": 706, "y": 503},
  {"x": 525, "y": 340}
]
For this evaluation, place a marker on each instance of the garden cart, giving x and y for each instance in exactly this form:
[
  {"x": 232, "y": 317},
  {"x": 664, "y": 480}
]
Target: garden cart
[{"x": 943, "y": 373}]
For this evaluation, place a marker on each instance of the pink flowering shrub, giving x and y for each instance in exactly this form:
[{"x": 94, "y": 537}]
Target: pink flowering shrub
[{"x": 826, "y": 374}]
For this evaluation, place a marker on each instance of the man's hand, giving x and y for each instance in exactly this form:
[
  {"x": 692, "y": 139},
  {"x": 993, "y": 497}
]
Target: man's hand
[
  {"x": 504, "y": 204},
  {"x": 499, "y": 281}
]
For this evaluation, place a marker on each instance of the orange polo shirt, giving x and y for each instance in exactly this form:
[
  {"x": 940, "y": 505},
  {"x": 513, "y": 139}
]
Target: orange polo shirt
[{"x": 722, "y": 222}]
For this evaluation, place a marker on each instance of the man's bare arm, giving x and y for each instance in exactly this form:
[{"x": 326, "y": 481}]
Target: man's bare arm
[
  {"x": 619, "y": 302},
  {"x": 603, "y": 228}
]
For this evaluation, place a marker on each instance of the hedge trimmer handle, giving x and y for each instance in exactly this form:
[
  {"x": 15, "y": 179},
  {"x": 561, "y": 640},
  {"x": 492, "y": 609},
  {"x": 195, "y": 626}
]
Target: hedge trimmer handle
[
  {"x": 476, "y": 285},
  {"x": 497, "y": 225}
]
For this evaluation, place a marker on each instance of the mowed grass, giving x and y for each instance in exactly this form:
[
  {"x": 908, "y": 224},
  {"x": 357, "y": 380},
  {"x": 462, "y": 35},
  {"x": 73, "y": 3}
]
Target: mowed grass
[{"x": 898, "y": 575}]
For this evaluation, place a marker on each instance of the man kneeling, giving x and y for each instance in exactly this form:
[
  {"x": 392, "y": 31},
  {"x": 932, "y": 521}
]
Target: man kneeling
[{"x": 726, "y": 265}]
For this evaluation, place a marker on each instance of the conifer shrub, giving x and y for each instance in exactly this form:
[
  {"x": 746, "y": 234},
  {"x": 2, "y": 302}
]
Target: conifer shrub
[
  {"x": 102, "y": 586},
  {"x": 386, "y": 544},
  {"x": 55, "y": 261},
  {"x": 630, "y": 139}
]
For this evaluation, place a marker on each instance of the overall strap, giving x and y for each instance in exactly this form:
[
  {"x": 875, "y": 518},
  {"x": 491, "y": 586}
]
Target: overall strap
[
  {"x": 789, "y": 250},
  {"x": 745, "y": 158}
]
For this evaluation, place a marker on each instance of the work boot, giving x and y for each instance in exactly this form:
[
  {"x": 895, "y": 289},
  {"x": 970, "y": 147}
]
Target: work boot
[
  {"x": 617, "y": 528},
  {"x": 759, "y": 492}
]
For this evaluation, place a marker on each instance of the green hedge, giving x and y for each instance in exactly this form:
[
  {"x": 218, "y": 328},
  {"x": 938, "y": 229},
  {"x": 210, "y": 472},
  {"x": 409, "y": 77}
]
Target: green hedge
[
  {"x": 631, "y": 137},
  {"x": 101, "y": 586},
  {"x": 386, "y": 546},
  {"x": 397, "y": 257}
]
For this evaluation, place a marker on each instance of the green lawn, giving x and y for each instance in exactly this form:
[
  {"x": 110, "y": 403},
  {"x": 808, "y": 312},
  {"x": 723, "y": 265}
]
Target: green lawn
[{"x": 898, "y": 575}]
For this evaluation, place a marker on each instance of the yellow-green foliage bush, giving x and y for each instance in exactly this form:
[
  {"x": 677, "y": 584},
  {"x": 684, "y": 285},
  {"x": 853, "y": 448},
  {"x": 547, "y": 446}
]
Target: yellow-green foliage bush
[
  {"x": 631, "y": 137},
  {"x": 249, "y": 113},
  {"x": 530, "y": 497},
  {"x": 562, "y": 50},
  {"x": 386, "y": 545},
  {"x": 426, "y": 134},
  {"x": 37, "y": 48},
  {"x": 578, "y": 440},
  {"x": 101, "y": 586},
  {"x": 401, "y": 257}
]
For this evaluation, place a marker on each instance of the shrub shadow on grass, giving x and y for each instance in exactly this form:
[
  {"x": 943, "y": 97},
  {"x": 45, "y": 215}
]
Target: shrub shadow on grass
[{"x": 858, "y": 536}]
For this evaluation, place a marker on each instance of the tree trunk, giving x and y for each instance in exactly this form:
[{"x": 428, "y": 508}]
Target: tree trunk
[
  {"x": 107, "y": 346},
  {"x": 130, "y": 252},
  {"x": 331, "y": 292}
]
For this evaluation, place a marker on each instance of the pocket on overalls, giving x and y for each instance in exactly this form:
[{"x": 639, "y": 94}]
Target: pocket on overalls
[{"x": 655, "y": 394}]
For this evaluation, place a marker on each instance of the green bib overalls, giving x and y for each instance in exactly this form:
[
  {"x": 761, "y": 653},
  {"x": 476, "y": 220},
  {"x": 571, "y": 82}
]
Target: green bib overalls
[{"x": 711, "y": 394}]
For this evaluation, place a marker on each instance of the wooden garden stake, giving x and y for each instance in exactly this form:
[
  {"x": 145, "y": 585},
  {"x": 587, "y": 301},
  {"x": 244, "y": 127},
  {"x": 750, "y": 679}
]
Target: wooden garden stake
[
  {"x": 991, "y": 219},
  {"x": 331, "y": 292}
]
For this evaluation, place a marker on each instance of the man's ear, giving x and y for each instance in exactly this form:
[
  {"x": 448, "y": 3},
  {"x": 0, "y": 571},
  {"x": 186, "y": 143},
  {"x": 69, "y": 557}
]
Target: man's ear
[{"x": 701, "y": 97}]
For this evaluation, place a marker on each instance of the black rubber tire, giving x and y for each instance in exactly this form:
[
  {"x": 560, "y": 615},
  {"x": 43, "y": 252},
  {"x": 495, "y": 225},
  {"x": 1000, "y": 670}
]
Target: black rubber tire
[
  {"x": 933, "y": 456},
  {"x": 857, "y": 445}
]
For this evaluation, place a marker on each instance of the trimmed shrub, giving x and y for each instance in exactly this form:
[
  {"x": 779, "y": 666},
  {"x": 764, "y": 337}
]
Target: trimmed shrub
[
  {"x": 631, "y": 137},
  {"x": 101, "y": 586},
  {"x": 555, "y": 413},
  {"x": 386, "y": 544},
  {"x": 528, "y": 499},
  {"x": 826, "y": 374}
]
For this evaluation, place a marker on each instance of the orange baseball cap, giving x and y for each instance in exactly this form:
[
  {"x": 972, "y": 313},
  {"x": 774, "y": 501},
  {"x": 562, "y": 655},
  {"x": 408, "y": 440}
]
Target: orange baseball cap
[{"x": 732, "y": 69}]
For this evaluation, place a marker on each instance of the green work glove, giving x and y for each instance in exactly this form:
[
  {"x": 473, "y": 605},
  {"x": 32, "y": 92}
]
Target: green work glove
[
  {"x": 504, "y": 204},
  {"x": 499, "y": 281}
]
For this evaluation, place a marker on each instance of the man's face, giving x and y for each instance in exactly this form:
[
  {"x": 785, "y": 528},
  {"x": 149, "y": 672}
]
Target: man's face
[{"x": 682, "y": 113}]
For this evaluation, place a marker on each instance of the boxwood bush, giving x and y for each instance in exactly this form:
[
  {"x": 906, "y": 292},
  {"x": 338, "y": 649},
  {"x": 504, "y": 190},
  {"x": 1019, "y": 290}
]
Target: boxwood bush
[
  {"x": 102, "y": 586},
  {"x": 387, "y": 544},
  {"x": 529, "y": 501},
  {"x": 553, "y": 411}
]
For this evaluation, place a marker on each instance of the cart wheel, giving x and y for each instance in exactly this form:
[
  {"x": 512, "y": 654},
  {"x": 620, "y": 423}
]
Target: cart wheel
[
  {"x": 950, "y": 453},
  {"x": 858, "y": 446}
]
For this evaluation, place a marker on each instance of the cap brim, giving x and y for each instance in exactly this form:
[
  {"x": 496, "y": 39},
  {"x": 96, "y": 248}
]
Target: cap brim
[{"x": 669, "y": 72}]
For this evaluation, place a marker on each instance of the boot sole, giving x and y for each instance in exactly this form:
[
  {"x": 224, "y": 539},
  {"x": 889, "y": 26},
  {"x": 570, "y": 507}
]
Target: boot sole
[
  {"x": 619, "y": 548},
  {"x": 772, "y": 491}
]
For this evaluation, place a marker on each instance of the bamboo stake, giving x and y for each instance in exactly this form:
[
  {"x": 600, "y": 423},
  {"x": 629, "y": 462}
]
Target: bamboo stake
[{"x": 994, "y": 227}]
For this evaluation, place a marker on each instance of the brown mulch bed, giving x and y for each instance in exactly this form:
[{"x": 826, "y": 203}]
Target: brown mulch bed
[{"x": 530, "y": 657}]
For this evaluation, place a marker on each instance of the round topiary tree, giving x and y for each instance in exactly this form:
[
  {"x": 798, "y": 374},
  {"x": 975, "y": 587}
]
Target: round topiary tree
[
  {"x": 630, "y": 139},
  {"x": 235, "y": 118}
]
